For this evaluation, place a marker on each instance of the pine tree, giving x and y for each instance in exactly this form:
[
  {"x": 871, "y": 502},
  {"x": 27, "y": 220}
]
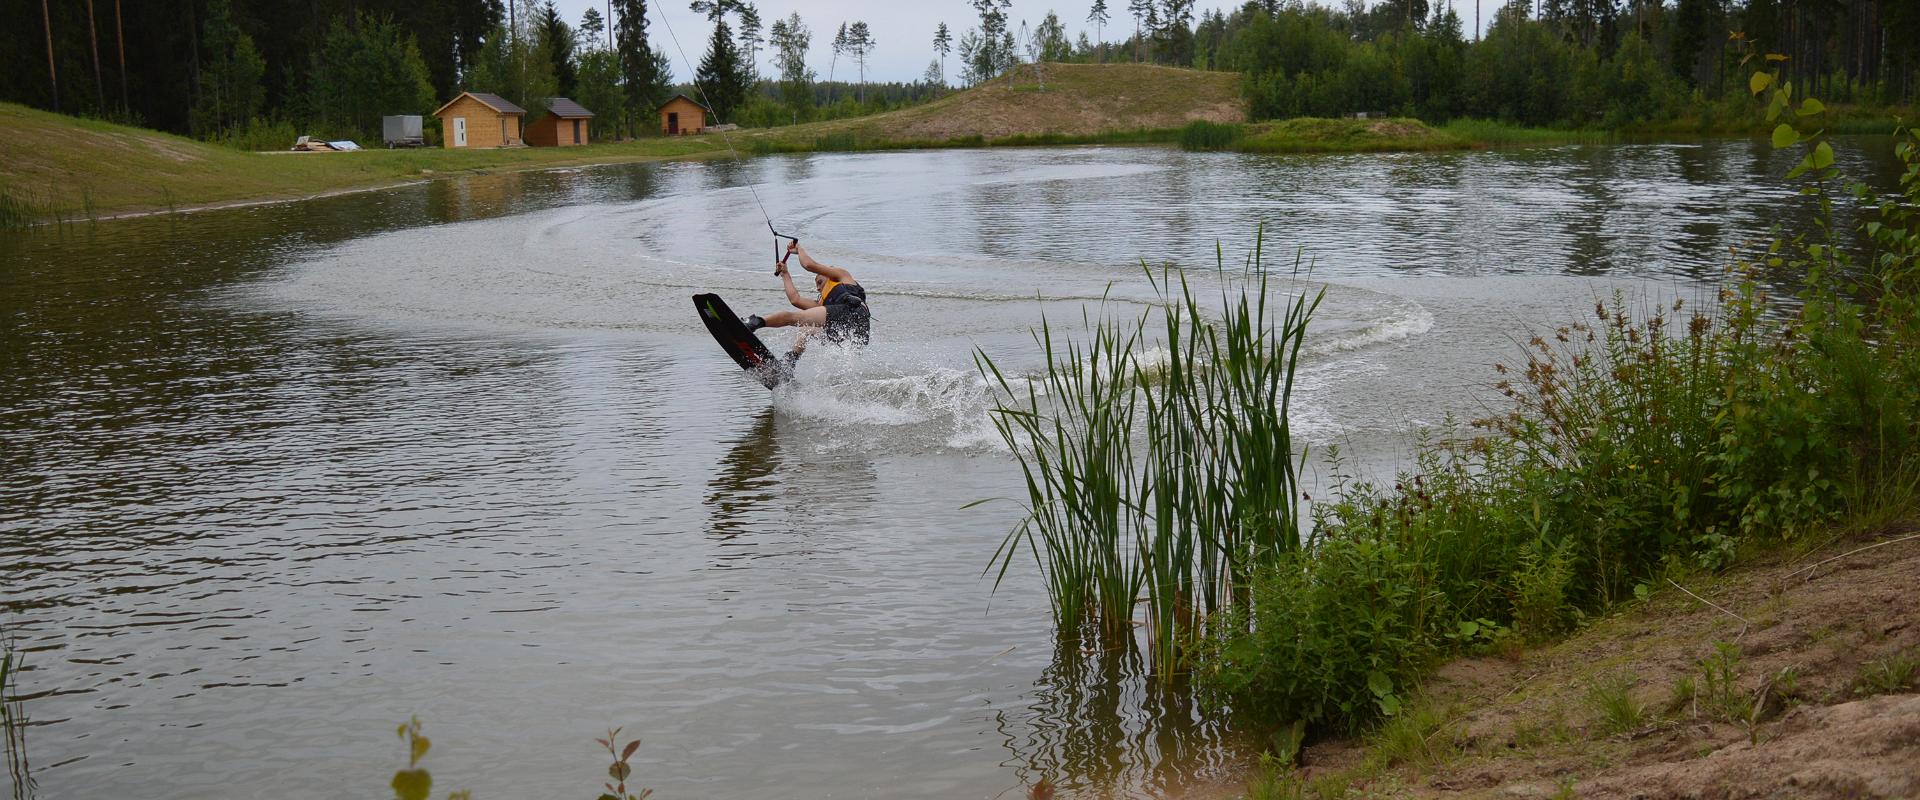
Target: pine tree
[
  {"x": 639, "y": 70},
  {"x": 99, "y": 84},
  {"x": 994, "y": 49},
  {"x": 750, "y": 40},
  {"x": 860, "y": 44},
  {"x": 942, "y": 44},
  {"x": 721, "y": 77},
  {"x": 1141, "y": 11},
  {"x": 839, "y": 46},
  {"x": 1098, "y": 16},
  {"x": 556, "y": 38},
  {"x": 592, "y": 27},
  {"x": 53, "y": 74}
]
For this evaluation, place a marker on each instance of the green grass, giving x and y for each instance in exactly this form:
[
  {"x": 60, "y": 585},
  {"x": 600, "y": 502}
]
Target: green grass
[
  {"x": 1418, "y": 738},
  {"x": 1893, "y": 673},
  {"x": 1612, "y": 701}
]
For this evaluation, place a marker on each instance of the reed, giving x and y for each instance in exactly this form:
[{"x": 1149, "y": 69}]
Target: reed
[
  {"x": 20, "y": 208},
  {"x": 13, "y": 723},
  {"x": 1157, "y": 457}
]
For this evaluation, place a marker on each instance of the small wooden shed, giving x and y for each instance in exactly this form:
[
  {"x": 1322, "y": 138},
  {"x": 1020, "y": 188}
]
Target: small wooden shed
[
  {"x": 479, "y": 120},
  {"x": 564, "y": 125},
  {"x": 681, "y": 115}
]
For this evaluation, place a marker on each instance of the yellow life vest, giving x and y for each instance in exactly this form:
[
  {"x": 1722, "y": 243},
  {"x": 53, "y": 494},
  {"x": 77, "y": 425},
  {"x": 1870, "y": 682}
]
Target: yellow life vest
[{"x": 827, "y": 290}]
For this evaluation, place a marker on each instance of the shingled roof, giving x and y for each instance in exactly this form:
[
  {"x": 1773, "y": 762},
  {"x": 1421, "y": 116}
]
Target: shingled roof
[
  {"x": 683, "y": 97},
  {"x": 567, "y": 109},
  {"x": 493, "y": 101}
]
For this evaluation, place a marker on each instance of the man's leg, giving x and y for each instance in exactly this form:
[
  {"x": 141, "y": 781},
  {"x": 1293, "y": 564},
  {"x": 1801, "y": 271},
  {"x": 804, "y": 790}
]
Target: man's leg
[{"x": 815, "y": 317}]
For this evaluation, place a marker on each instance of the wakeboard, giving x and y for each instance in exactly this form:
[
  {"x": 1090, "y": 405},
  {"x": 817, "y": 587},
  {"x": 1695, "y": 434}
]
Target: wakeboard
[{"x": 746, "y": 349}]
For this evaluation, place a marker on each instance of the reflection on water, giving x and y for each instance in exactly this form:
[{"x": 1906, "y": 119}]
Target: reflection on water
[
  {"x": 273, "y": 478},
  {"x": 1097, "y": 721}
]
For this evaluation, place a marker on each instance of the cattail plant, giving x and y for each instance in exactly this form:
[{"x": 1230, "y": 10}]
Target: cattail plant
[{"x": 1155, "y": 486}]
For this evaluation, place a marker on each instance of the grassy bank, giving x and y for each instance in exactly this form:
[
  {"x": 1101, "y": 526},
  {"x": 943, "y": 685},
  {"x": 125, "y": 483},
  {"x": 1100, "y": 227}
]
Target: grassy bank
[
  {"x": 53, "y": 165},
  {"x": 1314, "y": 135}
]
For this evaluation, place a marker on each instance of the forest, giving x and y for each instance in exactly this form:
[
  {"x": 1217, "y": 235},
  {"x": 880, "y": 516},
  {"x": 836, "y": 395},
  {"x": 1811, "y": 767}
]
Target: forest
[{"x": 252, "y": 72}]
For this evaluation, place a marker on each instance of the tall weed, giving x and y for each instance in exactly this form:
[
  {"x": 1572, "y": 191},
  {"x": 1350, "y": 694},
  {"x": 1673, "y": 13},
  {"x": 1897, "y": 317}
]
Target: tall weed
[
  {"x": 13, "y": 722},
  {"x": 1158, "y": 458}
]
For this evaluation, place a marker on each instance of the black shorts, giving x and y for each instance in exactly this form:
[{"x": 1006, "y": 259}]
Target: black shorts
[{"x": 849, "y": 322}]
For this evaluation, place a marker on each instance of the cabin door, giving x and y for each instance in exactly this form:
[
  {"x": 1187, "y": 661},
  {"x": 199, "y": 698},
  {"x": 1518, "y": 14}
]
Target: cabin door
[
  {"x": 459, "y": 131},
  {"x": 673, "y": 122}
]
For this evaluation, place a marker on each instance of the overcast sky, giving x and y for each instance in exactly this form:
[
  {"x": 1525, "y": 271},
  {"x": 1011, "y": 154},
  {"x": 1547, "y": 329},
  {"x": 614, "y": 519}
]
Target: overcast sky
[{"x": 903, "y": 29}]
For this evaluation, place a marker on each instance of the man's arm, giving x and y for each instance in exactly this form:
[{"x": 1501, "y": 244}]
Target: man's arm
[
  {"x": 817, "y": 268},
  {"x": 798, "y": 300}
]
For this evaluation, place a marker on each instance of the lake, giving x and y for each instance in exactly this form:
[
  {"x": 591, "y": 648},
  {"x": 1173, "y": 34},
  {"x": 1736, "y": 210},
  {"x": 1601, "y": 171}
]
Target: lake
[{"x": 277, "y": 478}]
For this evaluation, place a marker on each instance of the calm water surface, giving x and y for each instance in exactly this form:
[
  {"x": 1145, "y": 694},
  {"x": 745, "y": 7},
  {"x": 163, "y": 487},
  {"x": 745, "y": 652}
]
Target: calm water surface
[{"x": 277, "y": 478}]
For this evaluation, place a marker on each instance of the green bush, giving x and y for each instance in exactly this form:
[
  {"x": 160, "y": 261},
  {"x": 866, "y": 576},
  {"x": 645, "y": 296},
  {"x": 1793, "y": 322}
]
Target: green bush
[
  {"x": 1334, "y": 636},
  {"x": 258, "y": 134},
  {"x": 1643, "y": 436}
]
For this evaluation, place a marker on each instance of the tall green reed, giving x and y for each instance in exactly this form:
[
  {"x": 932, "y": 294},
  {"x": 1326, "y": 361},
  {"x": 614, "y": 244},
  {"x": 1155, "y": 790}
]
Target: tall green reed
[
  {"x": 13, "y": 722},
  {"x": 1157, "y": 456}
]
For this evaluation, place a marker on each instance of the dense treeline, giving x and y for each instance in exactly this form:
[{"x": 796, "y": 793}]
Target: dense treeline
[
  {"x": 1584, "y": 62},
  {"x": 255, "y": 73},
  {"x": 230, "y": 69},
  {"x": 159, "y": 59}
]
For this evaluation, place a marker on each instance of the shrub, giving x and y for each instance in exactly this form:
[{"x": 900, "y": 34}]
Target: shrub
[
  {"x": 258, "y": 134},
  {"x": 1203, "y": 135}
]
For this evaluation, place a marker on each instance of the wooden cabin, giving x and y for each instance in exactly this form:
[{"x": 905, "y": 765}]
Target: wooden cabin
[
  {"x": 681, "y": 115},
  {"x": 564, "y": 125},
  {"x": 480, "y": 120}
]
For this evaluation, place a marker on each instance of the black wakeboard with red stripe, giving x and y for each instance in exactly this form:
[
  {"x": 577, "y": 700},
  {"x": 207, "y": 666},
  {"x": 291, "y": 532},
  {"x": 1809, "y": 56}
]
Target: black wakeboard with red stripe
[{"x": 746, "y": 349}]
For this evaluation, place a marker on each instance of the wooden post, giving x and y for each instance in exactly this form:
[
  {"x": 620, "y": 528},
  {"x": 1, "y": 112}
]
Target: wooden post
[{"x": 53, "y": 75}]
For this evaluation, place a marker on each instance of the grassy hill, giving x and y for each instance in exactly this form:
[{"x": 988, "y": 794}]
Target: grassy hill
[
  {"x": 1058, "y": 100},
  {"x": 58, "y": 166}
]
